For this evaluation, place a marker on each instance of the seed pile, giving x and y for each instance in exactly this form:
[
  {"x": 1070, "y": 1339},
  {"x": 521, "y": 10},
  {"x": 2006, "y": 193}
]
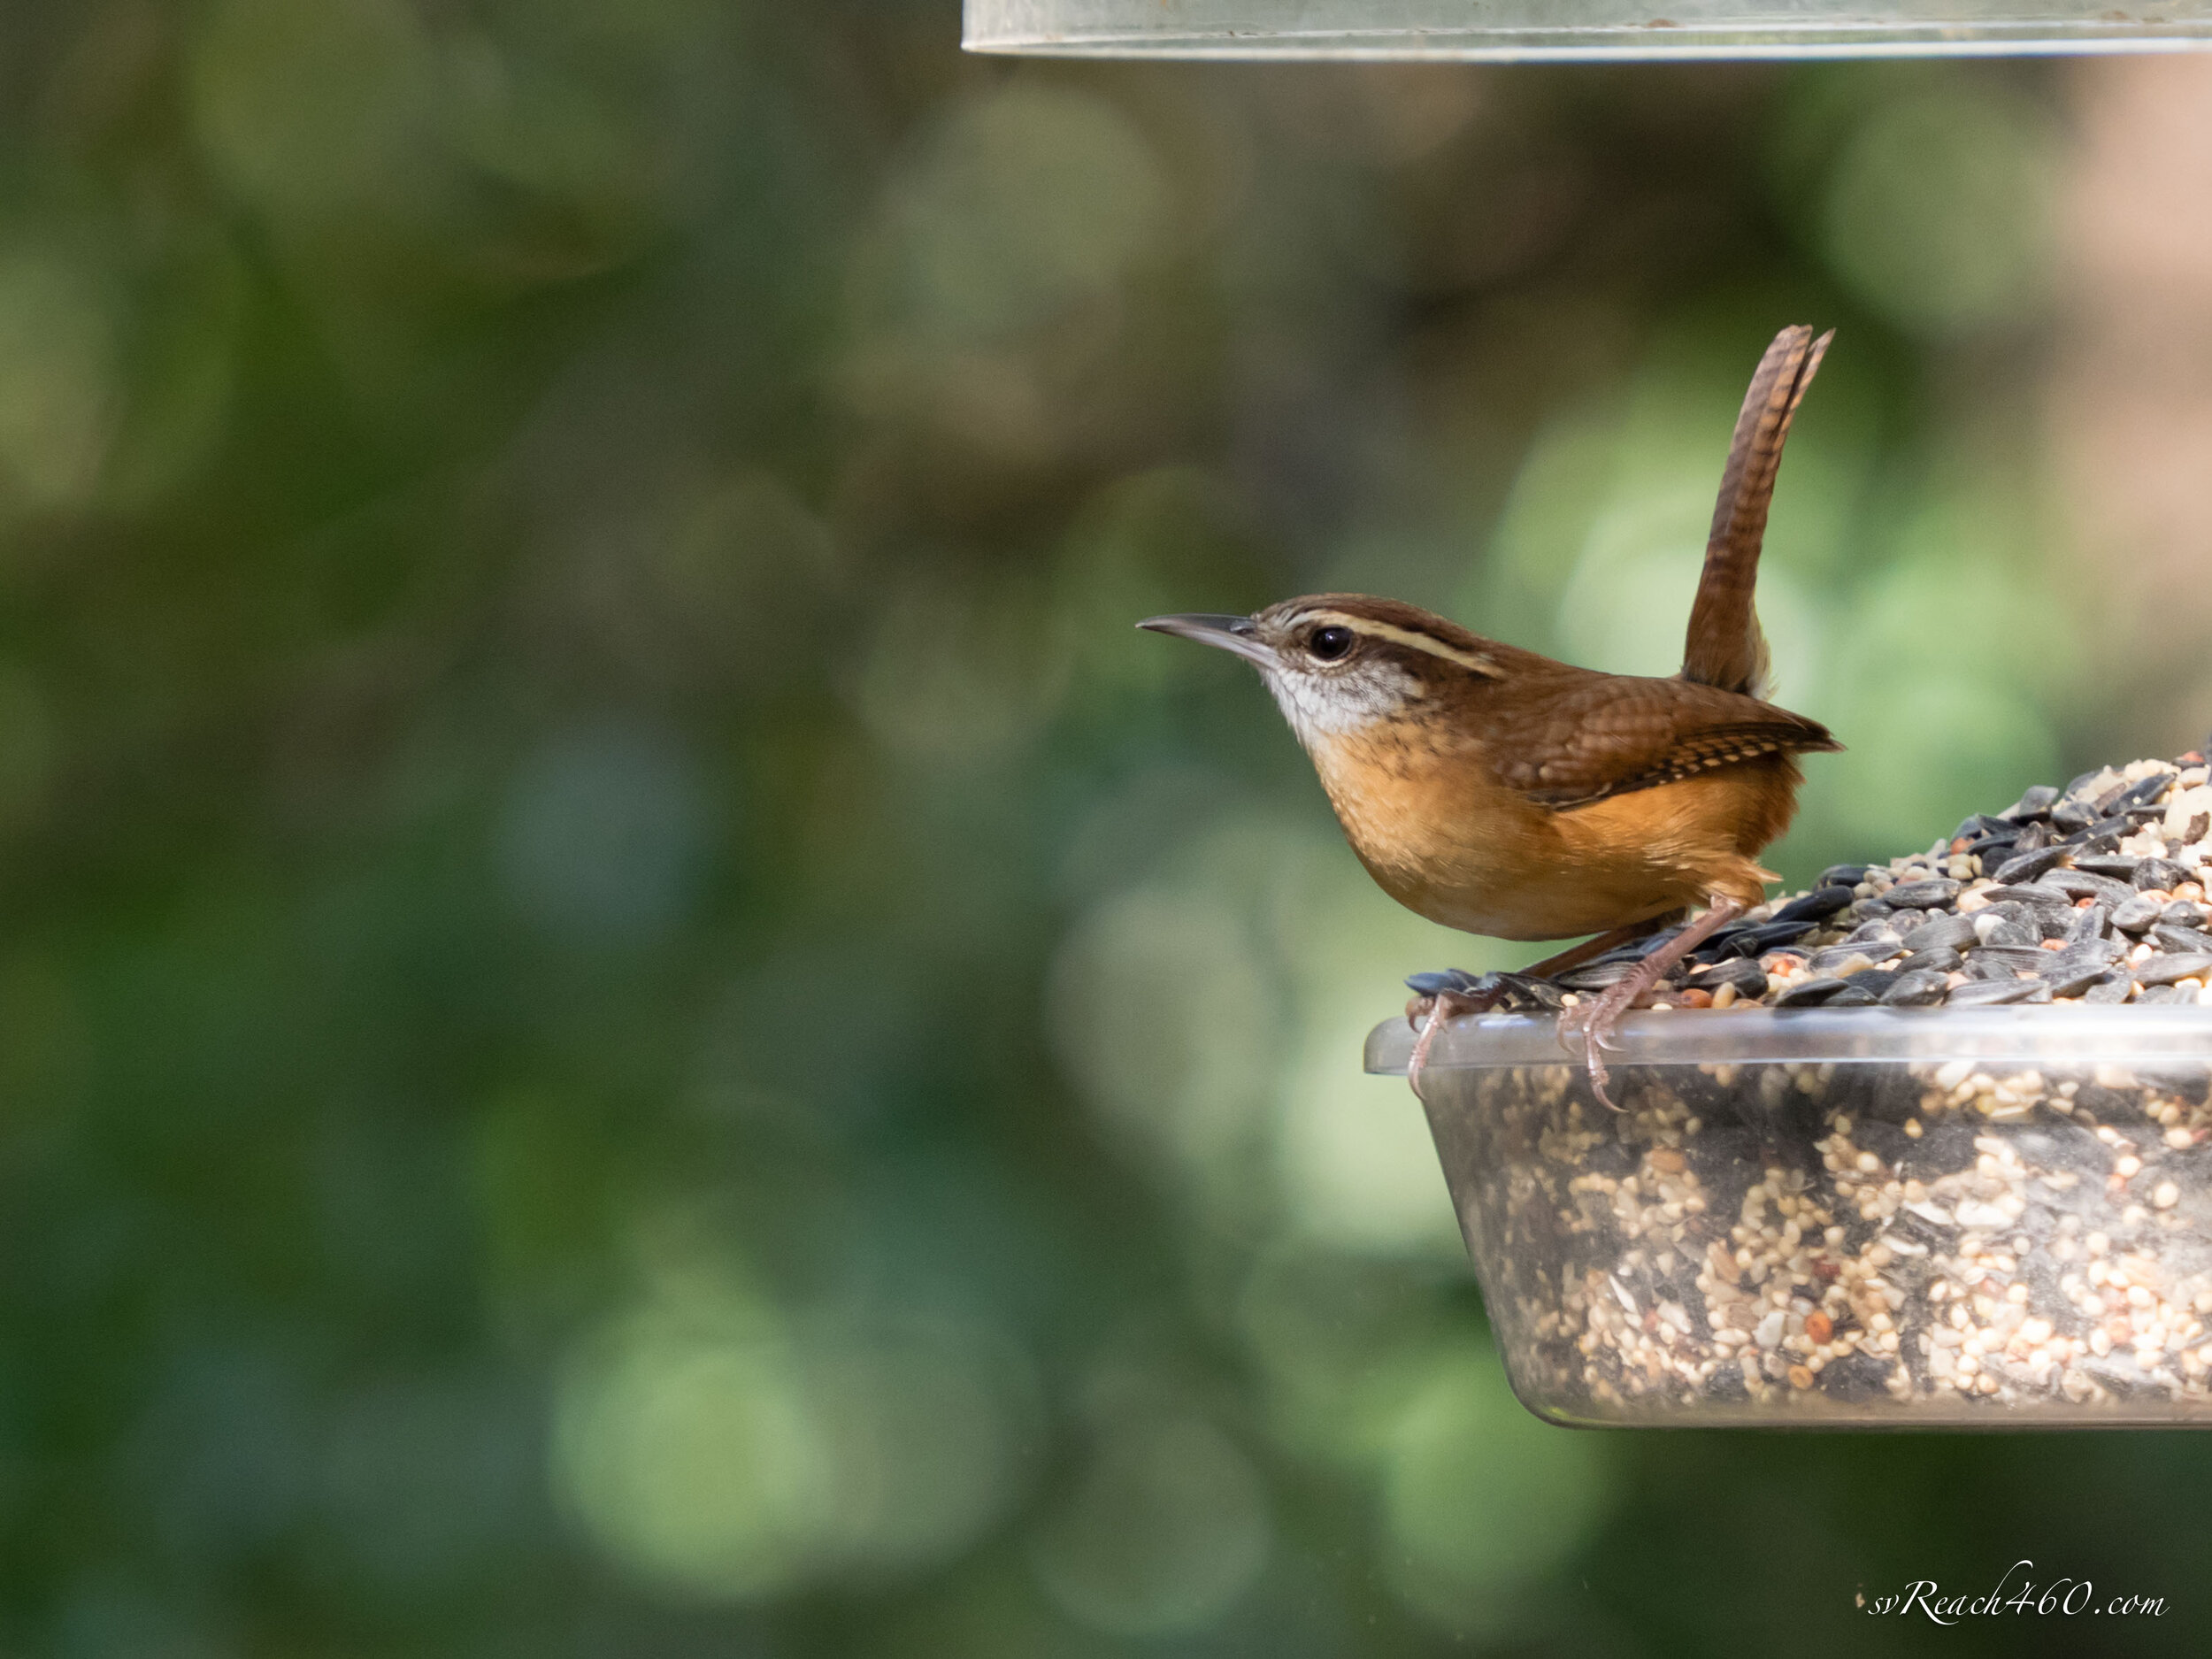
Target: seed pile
[
  {"x": 1912, "y": 1240},
  {"x": 2087, "y": 895},
  {"x": 2092, "y": 893}
]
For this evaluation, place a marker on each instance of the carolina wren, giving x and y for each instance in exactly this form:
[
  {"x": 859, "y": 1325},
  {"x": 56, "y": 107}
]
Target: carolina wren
[{"x": 1497, "y": 791}]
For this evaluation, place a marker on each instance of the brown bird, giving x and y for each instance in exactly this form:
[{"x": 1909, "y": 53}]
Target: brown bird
[{"x": 1497, "y": 791}]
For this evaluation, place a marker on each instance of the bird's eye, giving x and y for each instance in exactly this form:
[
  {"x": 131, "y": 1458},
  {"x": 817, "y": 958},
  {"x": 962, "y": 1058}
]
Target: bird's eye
[{"x": 1329, "y": 643}]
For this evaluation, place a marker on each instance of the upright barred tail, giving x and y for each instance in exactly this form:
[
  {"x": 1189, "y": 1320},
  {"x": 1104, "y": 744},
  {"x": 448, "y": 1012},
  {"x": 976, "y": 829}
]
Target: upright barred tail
[{"x": 1725, "y": 647}]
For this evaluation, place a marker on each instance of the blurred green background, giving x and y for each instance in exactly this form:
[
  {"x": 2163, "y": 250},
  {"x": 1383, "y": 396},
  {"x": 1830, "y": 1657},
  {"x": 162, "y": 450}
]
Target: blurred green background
[{"x": 633, "y": 1020}]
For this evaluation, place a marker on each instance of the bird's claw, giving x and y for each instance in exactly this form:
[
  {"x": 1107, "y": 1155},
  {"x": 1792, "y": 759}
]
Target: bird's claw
[
  {"x": 1439, "y": 997},
  {"x": 1467, "y": 993},
  {"x": 1598, "y": 1077},
  {"x": 1455, "y": 982},
  {"x": 1592, "y": 1024},
  {"x": 1596, "y": 1026},
  {"x": 1433, "y": 1011},
  {"x": 1480, "y": 991}
]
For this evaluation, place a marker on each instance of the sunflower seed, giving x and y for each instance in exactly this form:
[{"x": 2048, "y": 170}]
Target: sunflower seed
[
  {"x": 1985, "y": 993},
  {"x": 1939, "y": 961},
  {"x": 2164, "y": 970},
  {"x": 2070, "y": 817},
  {"x": 1922, "y": 896},
  {"x": 2028, "y": 865},
  {"x": 2168, "y": 937},
  {"x": 2159, "y": 872},
  {"x": 2070, "y": 976},
  {"x": 1916, "y": 988},
  {"x": 2133, "y": 915},
  {"x": 2036, "y": 803},
  {"x": 1748, "y": 977},
  {"x": 2007, "y": 958},
  {"x": 2079, "y": 884},
  {"x": 2089, "y": 925},
  {"x": 2143, "y": 793},
  {"x": 1753, "y": 941},
  {"x": 2115, "y": 866},
  {"x": 1942, "y": 932},
  {"x": 1812, "y": 907},
  {"x": 1809, "y": 993}
]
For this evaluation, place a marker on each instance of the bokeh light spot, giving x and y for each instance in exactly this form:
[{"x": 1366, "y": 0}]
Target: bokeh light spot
[
  {"x": 692, "y": 1455},
  {"x": 1358, "y": 1170},
  {"x": 1025, "y": 202},
  {"x": 1939, "y": 212},
  {"x": 27, "y": 746},
  {"x": 1479, "y": 1497},
  {"x": 1943, "y": 680},
  {"x": 1167, "y": 1527},
  {"x": 927, "y": 1438},
  {"x": 57, "y": 388},
  {"x": 962, "y": 671},
  {"x": 1164, "y": 1017},
  {"x": 1928, "y": 748},
  {"x": 603, "y": 831},
  {"x": 724, "y": 1449},
  {"x": 426, "y": 1481},
  {"x": 306, "y": 106}
]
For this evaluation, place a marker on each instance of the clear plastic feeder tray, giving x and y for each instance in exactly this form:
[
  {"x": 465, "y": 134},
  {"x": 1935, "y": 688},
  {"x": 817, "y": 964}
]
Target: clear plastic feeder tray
[
  {"x": 1531, "y": 29},
  {"x": 1994, "y": 1218}
]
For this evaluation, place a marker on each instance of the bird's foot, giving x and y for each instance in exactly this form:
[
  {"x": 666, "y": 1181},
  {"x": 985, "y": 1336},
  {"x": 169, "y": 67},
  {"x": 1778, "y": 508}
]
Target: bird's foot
[
  {"x": 1440, "y": 996},
  {"x": 1479, "y": 987},
  {"x": 1486, "y": 990},
  {"x": 1591, "y": 1025}
]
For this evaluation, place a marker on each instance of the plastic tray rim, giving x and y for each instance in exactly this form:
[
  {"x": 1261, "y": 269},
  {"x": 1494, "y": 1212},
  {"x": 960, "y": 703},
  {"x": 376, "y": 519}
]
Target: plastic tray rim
[{"x": 2082, "y": 1036}]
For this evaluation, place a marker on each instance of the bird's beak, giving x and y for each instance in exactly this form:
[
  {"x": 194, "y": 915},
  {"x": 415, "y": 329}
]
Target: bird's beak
[{"x": 1229, "y": 634}]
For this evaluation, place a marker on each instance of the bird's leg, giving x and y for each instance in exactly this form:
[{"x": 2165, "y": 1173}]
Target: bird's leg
[
  {"x": 1455, "y": 992},
  {"x": 1480, "y": 991},
  {"x": 1593, "y": 1021},
  {"x": 1575, "y": 956},
  {"x": 1440, "y": 1007}
]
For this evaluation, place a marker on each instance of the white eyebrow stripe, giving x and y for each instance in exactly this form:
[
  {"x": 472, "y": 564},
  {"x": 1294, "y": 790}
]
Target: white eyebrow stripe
[{"x": 1470, "y": 661}]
